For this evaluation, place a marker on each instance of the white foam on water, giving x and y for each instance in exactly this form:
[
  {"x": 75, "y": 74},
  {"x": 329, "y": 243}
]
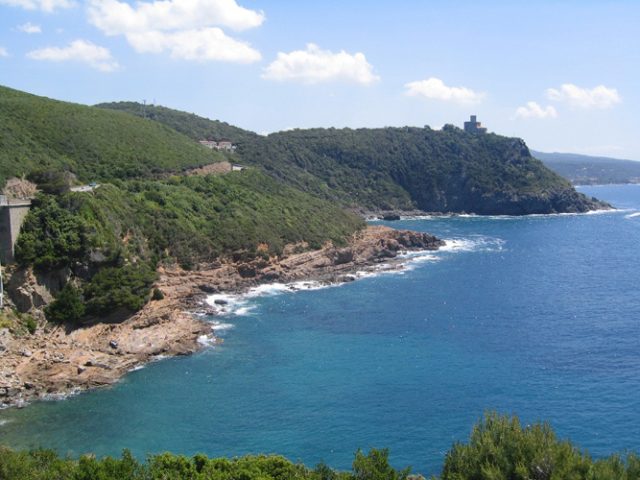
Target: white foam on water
[
  {"x": 228, "y": 304},
  {"x": 61, "y": 396},
  {"x": 473, "y": 244},
  {"x": 206, "y": 340},
  {"x": 219, "y": 326},
  {"x": 3, "y": 422},
  {"x": 240, "y": 304},
  {"x": 136, "y": 368},
  {"x": 632, "y": 215}
]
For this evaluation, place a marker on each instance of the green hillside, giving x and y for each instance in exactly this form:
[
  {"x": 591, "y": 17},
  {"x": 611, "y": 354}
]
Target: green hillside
[
  {"x": 396, "y": 168},
  {"x": 189, "y": 124},
  {"x": 95, "y": 144}
]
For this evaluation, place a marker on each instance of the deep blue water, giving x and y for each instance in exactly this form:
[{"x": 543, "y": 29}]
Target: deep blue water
[{"x": 538, "y": 316}]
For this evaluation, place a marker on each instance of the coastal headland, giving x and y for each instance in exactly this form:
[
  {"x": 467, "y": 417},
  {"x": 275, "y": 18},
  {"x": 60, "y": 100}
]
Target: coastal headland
[
  {"x": 124, "y": 239},
  {"x": 58, "y": 361}
]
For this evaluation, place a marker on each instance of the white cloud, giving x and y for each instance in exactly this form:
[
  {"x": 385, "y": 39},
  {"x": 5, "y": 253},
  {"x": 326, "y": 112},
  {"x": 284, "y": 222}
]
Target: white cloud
[
  {"x": 314, "y": 65},
  {"x": 435, "y": 89},
  {"x": 44, "y": 5},
  {"x": 79, "y": 51},
  {"x": 3, "y": 52},
  {"x": 533, "y": 110},
  {"x": 29, "y": 28},
  {"x": 201, "y": 45},
  {"x": 186, "y": 29},
  {"x": 597, "y": 97},
  {"x": 115, "y": 18}
]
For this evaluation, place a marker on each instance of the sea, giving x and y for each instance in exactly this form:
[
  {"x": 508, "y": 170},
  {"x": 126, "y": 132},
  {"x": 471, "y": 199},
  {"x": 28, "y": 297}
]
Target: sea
[{"x": 537, "y": 316}]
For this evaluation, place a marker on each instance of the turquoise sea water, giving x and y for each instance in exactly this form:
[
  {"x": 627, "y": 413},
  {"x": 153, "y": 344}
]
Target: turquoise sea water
[{"x": 538, "y": 316}]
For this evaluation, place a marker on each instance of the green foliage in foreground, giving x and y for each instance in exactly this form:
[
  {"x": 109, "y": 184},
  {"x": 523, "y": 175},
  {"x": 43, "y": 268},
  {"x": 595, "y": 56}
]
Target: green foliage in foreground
[
  {"x": 499, "y": 449},
  {"x": 45, "y": 465}
]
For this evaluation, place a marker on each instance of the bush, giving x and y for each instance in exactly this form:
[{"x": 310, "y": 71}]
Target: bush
[
  {"x": 157, "y": 294},
  {"x": 51, "y": 236},
  {"x": 30, "y": 323},
  {"x": 500, "y": 448},
  {"x": 67, "y": 307},
  {"x": 375, "y": 466},
  {"x": 119, "y": 287}
]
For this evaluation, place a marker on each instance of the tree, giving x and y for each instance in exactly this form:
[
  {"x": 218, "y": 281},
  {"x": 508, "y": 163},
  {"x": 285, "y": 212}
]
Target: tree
[{"x": 375, "y": 466}]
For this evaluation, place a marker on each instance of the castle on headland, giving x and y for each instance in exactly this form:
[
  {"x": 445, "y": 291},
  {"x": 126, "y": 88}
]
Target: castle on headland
[{"x": 473, "y": 126}]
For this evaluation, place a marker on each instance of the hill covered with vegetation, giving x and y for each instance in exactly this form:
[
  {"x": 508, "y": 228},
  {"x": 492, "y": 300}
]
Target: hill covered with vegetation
[
  {"x": 499, "y": 448},
  {"x": 189, "y": 124},
  {"x": 396, "y": 168},
  {"x": 404, "y": 168},
  {"x": 145, "y": 212},
  {"x": 105, "y": 244},
  {"x": 588, "y": 170},
  {"x": 112, "y": 239},
  {"x": 94, "y": 144}
]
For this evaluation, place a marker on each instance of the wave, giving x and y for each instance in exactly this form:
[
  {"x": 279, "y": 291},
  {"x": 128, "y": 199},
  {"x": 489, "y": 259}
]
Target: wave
[
  {"x": 243, "y": 304},
  {"x": 219, "y": 326},
  {"x": 56, "y": 397},
  {"x": 632, "y": 215},
  {"x": 478, "y": 243},
  {"x": 206, "y": 340}
]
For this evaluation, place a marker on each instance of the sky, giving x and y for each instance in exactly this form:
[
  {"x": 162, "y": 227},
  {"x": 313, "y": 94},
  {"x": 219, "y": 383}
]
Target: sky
[{"x": 562, "y": 75}]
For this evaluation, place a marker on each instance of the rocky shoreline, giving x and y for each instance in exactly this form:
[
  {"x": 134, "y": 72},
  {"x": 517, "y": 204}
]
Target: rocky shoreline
[{"x": 58, "y": 361}]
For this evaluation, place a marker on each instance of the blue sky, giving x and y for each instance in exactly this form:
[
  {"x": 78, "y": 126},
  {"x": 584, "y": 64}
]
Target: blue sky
[{"x": 561, "y": 75}]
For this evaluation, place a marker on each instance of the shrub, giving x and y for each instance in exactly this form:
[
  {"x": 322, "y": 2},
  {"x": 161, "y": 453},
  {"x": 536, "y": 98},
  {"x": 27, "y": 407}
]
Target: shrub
[
  {"x": 157, "y": 294},
  {"x": 119, "y": 287},
  {"x": 51, "y": 236},
  {"x": 30, "y": 323},
  {"x": 501, "y": 448},
  {"x": 67, "y": 307},
  {"x": 375, "y": 466}
]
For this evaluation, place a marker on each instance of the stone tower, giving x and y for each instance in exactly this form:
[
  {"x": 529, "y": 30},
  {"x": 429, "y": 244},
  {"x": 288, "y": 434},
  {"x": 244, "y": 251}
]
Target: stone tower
[{"x": 473, "y": 126}]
